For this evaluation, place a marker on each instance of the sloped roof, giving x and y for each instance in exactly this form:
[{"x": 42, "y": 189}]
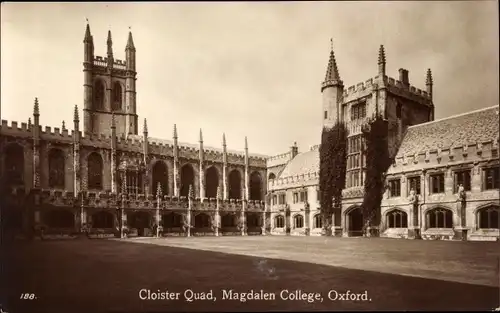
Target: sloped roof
[
  {"x": 454, "y": 131},
  {"x": 303, "y": 163}
]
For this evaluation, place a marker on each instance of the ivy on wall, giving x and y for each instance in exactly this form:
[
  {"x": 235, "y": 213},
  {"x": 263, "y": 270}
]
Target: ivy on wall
[
  {"x": 375, "y": 134},
  {"x": 332, "y": 172}
]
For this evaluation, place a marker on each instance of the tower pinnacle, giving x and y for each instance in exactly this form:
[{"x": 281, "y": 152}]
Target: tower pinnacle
[
  {"x": 36, "y": 108},
  {"x": 201, "y": 136},
  {"x": 428, "y": 80},
  {"x": 381, "y": 60},
  {"x": 130, "y": 42},
  {"x": 224, "y": 139},
  {"x": 332, "y": 72},
  {"x": 75, "y": 114},
  {"x": 88, "y": 36},
  {"x": 109, "y": 43},
  {"x": 145, "y": 127}
]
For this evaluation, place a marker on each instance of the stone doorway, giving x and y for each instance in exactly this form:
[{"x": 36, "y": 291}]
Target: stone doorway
[{"x": 355, "y": 222}]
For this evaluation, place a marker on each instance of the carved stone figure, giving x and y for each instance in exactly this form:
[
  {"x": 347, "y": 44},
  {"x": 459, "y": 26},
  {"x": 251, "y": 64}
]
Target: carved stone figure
[{"x": 461, "y": 193}]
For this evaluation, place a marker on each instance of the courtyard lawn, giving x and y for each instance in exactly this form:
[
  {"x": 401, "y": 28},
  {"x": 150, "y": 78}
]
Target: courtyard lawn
[{"x": 106, "y": 275}]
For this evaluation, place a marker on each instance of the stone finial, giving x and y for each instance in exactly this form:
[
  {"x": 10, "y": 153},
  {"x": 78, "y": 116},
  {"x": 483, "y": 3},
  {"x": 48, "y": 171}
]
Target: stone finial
[
  {"x": 36, "y": 108},
  {"x": 76, "y": 118},
  {"x": 145, "y": 127},
  {"x": 201, "y": 136},
  {"x": 246, "y": 143},
  {"x": 158, "y": 191},
  {"x": 428, "y": 80},
  {"x": 175, "y": 131},
  {"x": 88, "y": 36},
  {"x": 130, "y": 42},
  {"x": 191, "y": 192},
  {"x": 381, "y": 55},
  {"x": 63, "y": 125},
  {"x": 29, "y": 121},
  {"x": 223, "y": 139},
  {"x": 332, "y": 71}
]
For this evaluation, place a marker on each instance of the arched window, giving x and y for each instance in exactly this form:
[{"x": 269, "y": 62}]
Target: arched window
[
  {"x": 255, "y": 186},
  {"x": 318, "y": 221},
  {"x": 98, "y": 95},
  {"x": 272, "y": 176},
  {"x": 279, "y": 221},
  {"x": 202, "y": 220},
  {"x": 187, "y": 179},
  {"x": 298, "y": 221},
  {"x": 94, "y": 171},
  {"x": 234, "y": 185},
  {"x": 172, "y": 220},
  {"x": 253, "y": 220},
  {"x": 14, "y": 164},
  {"x": 211, "y": 182},
  {"x": 439, "y": 218},
  {"x": 58, "y": 218},
  {"x": 489, "y": 217},
  {"x": 116, "y": 104},
  {"x": 102, "y": 220},
  {"x": 228, "y": 220},
  {"x": 160, "y": 176},
  {"x": 397, "y": 219},
  {"x": 56, "y": 168}
]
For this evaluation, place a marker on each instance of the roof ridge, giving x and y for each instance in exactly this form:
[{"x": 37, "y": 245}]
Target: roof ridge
[{"x": 453, "y": 116}]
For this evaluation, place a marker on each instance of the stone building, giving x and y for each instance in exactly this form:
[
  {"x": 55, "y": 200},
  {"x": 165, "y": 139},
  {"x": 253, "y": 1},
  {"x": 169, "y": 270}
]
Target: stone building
[
  {"x": 431, "y": 160},
  {"x": 108, "y": 178}
]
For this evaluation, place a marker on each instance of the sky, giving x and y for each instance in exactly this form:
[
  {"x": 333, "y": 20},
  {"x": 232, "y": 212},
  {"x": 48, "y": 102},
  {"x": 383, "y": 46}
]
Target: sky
[{"x": 246, "y": 69}]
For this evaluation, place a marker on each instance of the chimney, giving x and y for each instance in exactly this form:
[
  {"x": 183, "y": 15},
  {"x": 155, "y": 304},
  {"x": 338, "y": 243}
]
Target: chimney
[
  {"x": 294, "y": 150},
  {"x": 403, "y": 77}
]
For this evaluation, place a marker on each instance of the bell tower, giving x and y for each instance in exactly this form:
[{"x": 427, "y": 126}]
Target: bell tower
[
  {"x": 332, "y": 89},
  {"x": 109, "y": 89}
]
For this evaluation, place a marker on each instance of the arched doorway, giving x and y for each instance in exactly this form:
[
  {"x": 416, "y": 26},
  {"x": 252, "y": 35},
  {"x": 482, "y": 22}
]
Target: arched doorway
[
  {"x": 211, "y": 182},
  {"x": 355, "y": 222},
  {"x": 102, "y": 219},
  {"x": 234, "y": 184},
  {"x": 255, "y": 186},
  {"x": 160, "y": 176},
  {"x": 187, "y": 179},
  {"x": 140, "y": 221},
  {"x": 228, "y": 221},
  {"x": 171, "y": 220},
  {"x": 202, "y": 220}
]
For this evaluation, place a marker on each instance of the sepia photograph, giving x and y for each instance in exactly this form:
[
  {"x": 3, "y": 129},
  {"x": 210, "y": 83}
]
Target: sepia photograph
[{"x": 249, "y": 156}]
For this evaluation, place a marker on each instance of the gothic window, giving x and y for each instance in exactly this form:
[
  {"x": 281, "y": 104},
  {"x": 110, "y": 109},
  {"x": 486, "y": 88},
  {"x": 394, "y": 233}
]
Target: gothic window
[
  {"x": 439, "y": 218},
  {"x": 187, "y": 179},
  {"x": 202, "y": 220},
  {"x": 172, "y": 220},
  {"x": 414, "y": 183},
  {"x": 160, "y": 176},
  {"x": 397, "y": 219},
  {"x": 282, "y": 198},
  {"x": 395, "y": 188},
  {"x": 228, "y": 220},
  {"x": 279, "y": 221},
  {"x": 102, "y": 220},
  {"x": 298, "y": 221},
  {"x": 211, "y": 182},
  {"x": 98, "y": 95},
  {"x": 303, "y": 196},
  {"x": 56, "y": 168},
  {"x": 253, "y": 220},
  {"x": 133, "y": 182},
  {"x": 489, "y": 217},
  {"x": 491, "y": 178},
  {"x": 437, "y": 183},
  {"x": 94, "y": 171},
  {"x": 59, "y": 218},
  {"x": 255, "y": 186},
  {"x": 358, "y": 111},
  {"x": 234, "y": 185},
  {"x": 14, "y": 164},
  {"x": 462, "y": 178},
  {"x": 318, "y": 221},
  {"x": 295, "y": 197},
  {"x": 116, "y": 104},
  {"x": 275, "y": 199}
]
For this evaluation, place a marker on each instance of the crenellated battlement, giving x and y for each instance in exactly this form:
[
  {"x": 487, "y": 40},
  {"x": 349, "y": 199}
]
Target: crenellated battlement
[
  {"x": 408, "y": 89},
  {"x": 289, "y": 181},
  {"x": 103, "y": 62},
  {"x": 472, "y": 152},
  {"x": 279, "y": 159},
  {"x": 14, "y": 128}
]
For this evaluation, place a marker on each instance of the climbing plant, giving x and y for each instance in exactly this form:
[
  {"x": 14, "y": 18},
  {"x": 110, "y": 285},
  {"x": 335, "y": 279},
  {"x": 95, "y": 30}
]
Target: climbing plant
[
  {"x": 332, "y": 172},
  {"x": 375, "y": 134}
]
